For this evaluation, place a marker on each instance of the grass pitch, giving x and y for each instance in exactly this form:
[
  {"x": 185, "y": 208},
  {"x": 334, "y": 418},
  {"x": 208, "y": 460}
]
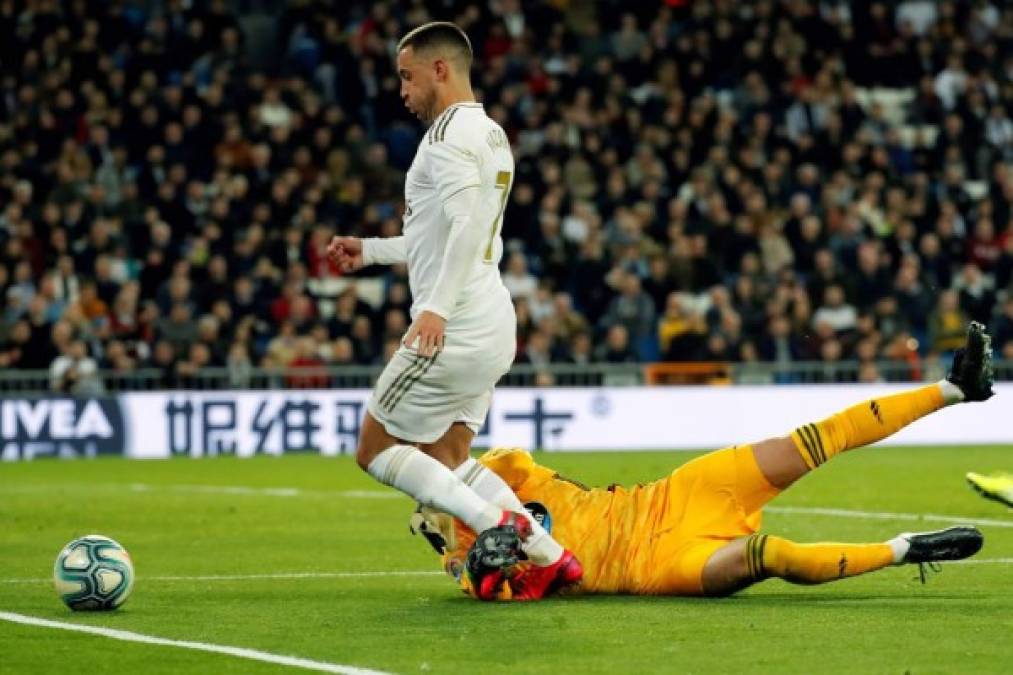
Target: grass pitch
[{"x": 206, "y": 535}]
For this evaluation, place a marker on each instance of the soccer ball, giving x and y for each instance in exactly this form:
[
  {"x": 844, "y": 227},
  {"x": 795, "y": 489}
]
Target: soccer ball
[{"x": 93, "y": 573}]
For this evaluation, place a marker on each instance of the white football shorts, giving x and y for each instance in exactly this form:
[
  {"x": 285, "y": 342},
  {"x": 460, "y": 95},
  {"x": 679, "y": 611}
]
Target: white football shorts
[{"x": 417, "y": 399}]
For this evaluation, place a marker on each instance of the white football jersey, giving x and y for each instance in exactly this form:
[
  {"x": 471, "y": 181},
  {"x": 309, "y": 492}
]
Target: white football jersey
[{"x": 462, "y": 149}]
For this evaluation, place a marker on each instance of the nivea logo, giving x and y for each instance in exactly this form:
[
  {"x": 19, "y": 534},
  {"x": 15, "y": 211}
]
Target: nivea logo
[{"x": 64, "y": 427}]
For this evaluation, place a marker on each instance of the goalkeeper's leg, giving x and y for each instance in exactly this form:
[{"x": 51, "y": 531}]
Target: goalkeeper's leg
[
  {"x": 760, "y": 556},
  {"x": 782, "y": 461}
]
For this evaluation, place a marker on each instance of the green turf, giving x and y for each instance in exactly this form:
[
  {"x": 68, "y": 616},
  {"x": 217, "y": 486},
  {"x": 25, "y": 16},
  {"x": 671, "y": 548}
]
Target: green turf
[{"x": 961, "y": 621}]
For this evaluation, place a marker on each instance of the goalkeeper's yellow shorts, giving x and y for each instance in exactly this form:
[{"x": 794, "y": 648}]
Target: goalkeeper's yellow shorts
[{"x": 712, "y": 500}]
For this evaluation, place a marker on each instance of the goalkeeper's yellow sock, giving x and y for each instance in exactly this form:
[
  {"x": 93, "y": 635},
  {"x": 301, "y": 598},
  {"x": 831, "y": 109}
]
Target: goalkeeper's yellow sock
[
  {"x": 869, "y": 422},
  {"x": 770, "y": 556}
]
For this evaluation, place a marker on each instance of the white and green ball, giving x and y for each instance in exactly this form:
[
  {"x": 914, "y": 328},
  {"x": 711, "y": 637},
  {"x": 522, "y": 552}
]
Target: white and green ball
[{"x": 93, "y": 573}]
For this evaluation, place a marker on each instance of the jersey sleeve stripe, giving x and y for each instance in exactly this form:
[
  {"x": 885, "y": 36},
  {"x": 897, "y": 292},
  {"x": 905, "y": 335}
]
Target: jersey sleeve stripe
[
  {"x": 446, "y": 123},
  {"x": 432, "y": 130}
]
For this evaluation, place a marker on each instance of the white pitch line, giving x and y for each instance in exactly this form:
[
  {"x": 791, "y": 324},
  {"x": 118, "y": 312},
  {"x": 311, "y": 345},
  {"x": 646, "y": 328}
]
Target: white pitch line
[
  {"x": 302, "y": 575},
  {"x": 219, "y": 489},
  {"x": 238, "y": 652},
  {"x": 275, "y": 575},
  {"x": 983, "y": 561},
  {"x": 266, "y": 491},
  {"x": 239, "y": 490},
  {"x": 884, "y": 515}
]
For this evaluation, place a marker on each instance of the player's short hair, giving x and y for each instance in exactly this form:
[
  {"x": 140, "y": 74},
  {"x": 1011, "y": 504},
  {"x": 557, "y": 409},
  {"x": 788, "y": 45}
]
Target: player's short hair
[{"x": 440, "y": 35}]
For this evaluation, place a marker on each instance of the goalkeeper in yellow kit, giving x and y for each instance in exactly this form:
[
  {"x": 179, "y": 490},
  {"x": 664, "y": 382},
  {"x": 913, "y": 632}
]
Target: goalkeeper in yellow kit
[{"x": 695, "y": 532}]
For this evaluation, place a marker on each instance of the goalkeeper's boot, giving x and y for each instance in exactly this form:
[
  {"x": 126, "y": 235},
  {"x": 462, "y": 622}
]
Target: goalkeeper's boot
[
  {"x": 972, "y": 365},
  {"x": 953, "y": 543},
  {"x": 535, "y": 583},
  {"x": 494, "y": 552},
  {"x": 997, "y": 487}
]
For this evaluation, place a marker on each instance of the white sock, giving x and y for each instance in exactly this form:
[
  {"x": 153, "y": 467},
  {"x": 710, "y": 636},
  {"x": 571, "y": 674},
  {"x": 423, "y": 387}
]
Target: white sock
[
  {"x": 951, "y": 392},
  {"x": 431, "y": 484},
  {"x": 900, "y": 547},
  {"x": 541, "y": 548}
]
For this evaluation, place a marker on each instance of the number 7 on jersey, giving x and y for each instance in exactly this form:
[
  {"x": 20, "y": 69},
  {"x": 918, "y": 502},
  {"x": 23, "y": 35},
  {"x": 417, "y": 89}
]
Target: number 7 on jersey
[{"x": 502, "y": 183}]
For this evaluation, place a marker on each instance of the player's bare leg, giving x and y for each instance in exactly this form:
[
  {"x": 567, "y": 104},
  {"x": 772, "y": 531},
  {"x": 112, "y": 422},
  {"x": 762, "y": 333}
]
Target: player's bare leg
[
  {"x": 784, "y": 460},
  {"x": 373, "y": 439},
  {"x": 454, "y": 447},
  {"x": 451, "y": 450}
]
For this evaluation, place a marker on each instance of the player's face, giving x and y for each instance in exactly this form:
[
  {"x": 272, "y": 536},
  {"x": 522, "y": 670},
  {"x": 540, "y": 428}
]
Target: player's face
[{"x": 418, "y": 79}]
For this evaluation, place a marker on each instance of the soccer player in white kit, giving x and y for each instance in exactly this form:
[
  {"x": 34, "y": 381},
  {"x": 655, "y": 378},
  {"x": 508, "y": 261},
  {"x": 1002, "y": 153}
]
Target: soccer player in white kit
[{"x": 434, "y": 394}]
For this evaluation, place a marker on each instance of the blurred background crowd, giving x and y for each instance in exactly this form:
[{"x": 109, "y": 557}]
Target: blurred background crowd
[{"x": 779, "y": 180}]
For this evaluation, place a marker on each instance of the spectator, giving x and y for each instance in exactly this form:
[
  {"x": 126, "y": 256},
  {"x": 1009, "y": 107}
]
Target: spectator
[
  {"x": 209, "y": 334},
  {"x": 15, "y": 350},
  {"x": 282, "y": 349},
  {"x": 306, "y": 366},
  {"x": 617, "y": 347},
  {"x": 977, "y": 297},
  {"x": 779, "y": 345},
  {"x": 830, "y": 353},
  {"x": 914, "y": 302},
  {"x": 570, "y": 321},
  {"x": 117, "y": 359},
  {"x": 164, "y": 359},
  {"x": 983, "y": 249},
  {"x": 343, "y": 351},
  {"x": 947, "y": 323},
  {"x": 580, "y": 353},
  {"x": 518, "y": 281},
  {"x": 189, "y": 370},
  {"x": 835, "y": 312},
  {"x": 632, "y": 308},
  {"x": 674, "y": 323},
  {"x": 538, "y": 350},
  {"x": 74, "y": 372},
  {"x": 177, "y": 328},
  {"x": 868, "y": 373},
  {"x": 950, "y": 82}
]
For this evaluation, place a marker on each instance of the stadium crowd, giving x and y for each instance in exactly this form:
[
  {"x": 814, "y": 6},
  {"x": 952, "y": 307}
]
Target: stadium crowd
[{"x": 696, "y": 181}]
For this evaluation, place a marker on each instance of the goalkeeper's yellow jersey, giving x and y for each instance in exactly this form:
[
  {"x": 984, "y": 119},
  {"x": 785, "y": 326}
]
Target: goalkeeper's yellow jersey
[
  {"x": 607, "y": 529},
  {"x": 650, "y": 539}
]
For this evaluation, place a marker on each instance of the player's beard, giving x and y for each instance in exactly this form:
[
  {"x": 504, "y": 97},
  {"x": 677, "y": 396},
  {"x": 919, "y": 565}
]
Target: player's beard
[{"x": 428, "y": 108}]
